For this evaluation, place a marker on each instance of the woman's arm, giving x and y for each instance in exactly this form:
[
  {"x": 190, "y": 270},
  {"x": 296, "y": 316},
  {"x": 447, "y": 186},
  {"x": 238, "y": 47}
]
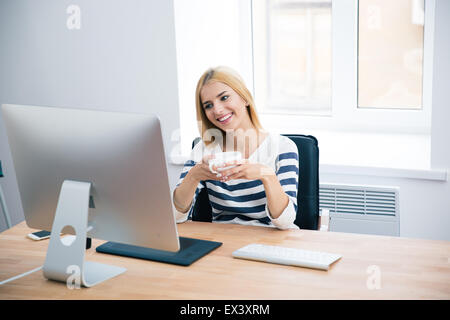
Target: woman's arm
[
  {"x": 185, "y": 191},
  {"x": 277, "y": 199}
]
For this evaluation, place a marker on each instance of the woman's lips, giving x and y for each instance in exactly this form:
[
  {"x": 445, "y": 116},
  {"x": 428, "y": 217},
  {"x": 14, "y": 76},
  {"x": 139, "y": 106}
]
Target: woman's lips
[{"x": 226, "y": 118}]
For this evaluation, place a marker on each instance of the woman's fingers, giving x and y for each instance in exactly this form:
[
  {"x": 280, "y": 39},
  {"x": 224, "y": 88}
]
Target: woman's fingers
[
  {"x": 236, "y": 162},
  {"x": 223, "y": 175},
  {"x": 233, "y": 173}
]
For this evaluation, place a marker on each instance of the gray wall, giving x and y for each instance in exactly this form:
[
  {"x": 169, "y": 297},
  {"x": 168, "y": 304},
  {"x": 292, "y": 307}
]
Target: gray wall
[{"x": 123, "y": 58}]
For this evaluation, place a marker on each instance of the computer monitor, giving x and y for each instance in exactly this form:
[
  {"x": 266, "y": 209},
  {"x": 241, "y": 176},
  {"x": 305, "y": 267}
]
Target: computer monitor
[
  {"x": 120, "y": 154},
  {"x": 103, "y": 171}
]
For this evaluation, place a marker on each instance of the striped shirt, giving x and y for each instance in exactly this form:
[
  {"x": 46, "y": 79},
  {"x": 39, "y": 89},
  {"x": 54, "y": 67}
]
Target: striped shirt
[{"x": 244, "y": 201}]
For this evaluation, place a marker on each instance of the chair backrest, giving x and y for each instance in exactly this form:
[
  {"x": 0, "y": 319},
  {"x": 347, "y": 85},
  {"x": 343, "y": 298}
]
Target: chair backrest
[
  {"x": 308, "y": 181},
  {"x": 202, "y": 210},
  {"x": 308, "y": 185}
]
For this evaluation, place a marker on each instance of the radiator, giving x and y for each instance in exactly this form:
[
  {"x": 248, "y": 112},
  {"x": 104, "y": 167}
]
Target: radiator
[{"x": 361, "y": 208}]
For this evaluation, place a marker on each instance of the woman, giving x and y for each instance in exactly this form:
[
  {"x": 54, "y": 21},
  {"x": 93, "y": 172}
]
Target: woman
[{"x": 260, "y": 189}]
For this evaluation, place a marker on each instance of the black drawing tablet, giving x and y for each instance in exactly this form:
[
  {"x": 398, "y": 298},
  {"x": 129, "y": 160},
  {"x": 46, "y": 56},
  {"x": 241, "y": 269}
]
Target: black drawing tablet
[{"x": 190, "y": 251}]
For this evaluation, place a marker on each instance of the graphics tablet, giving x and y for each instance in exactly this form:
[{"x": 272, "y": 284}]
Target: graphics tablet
[{"x": 190, "y": 251}]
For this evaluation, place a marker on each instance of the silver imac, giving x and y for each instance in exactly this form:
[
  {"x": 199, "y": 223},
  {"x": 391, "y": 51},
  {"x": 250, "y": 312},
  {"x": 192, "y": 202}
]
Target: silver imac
[{"x": 94, "y": 174}]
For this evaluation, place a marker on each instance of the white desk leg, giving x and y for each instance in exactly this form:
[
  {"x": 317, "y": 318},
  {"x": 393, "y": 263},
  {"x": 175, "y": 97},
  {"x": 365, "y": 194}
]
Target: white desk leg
[{"x": 62, "y": 259}]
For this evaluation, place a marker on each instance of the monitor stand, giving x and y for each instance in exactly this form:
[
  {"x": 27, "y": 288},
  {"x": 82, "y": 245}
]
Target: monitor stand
[{"x": 65, "y": 261}]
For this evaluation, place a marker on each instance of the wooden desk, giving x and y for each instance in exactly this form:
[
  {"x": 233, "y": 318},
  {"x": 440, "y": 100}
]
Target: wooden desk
[{"x": 408, "y": 268}]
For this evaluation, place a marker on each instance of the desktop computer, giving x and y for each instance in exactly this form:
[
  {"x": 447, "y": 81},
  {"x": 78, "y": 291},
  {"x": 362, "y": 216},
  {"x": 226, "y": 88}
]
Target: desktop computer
[{"x": 95, "y": 174}]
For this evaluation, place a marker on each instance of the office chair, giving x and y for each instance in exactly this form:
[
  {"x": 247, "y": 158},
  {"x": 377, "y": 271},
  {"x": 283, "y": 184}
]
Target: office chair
[
  {"x": 202, "y": 210},
  {"x": 308, "y": 181},
  {"x": 3, "y": 201},
  {"x": 308, "y": 186}
]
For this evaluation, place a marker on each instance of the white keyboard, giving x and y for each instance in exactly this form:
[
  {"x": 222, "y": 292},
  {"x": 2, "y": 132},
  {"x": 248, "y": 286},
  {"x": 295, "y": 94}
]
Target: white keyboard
[{"x": 287, "y": 256}]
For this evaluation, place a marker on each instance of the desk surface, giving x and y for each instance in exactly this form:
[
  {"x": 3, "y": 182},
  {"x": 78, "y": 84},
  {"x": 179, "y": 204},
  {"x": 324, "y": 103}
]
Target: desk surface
[{"x": 405, "y": 268}]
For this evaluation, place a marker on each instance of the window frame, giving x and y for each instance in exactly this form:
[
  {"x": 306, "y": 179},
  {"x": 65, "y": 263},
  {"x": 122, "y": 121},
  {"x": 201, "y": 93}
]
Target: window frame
[
  {"x": 345, "y": 114},
  {"x": 285, "y": 107}
]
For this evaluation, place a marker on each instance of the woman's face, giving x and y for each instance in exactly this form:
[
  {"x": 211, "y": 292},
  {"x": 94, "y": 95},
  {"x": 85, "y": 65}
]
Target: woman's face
[{"x": 224, "y": 107}]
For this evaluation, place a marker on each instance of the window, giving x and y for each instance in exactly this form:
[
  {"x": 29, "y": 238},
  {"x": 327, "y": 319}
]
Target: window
[
  {"x": 292, "y": 55},
  {"x": 390, "y": 53},
  {"x": 323, "y": 71}
]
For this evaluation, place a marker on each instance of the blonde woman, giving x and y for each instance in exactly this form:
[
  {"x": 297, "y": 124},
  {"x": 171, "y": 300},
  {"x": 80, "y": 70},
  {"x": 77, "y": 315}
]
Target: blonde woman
[{"x": 260, "y": 189}]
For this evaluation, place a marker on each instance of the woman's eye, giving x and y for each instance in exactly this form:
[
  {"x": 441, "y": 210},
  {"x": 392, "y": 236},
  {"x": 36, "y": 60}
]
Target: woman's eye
[
  {"x": 208, "y": 105},
  {"x": 224, "y": 98}
]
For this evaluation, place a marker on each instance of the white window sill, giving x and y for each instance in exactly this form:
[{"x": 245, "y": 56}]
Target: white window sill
[
  {"x": 430, "y": 174},
  {"x": 377, "y": 154},
  {"x": 370, "y": 154},
  {"x": 399, "y": 150}
]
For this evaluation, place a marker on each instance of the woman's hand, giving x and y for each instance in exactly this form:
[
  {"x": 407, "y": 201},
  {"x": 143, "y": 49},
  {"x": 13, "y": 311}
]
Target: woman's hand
[
  {"x": 184, "y": 193},
  {"x": 201, "y": 170},
  {"x": 246, "y": 170},
  {"x": 277, "y": 199}
]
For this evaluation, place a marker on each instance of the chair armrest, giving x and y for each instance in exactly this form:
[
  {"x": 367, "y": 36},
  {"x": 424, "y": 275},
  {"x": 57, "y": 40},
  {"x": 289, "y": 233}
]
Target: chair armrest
[{"x": 324, "y": 220}]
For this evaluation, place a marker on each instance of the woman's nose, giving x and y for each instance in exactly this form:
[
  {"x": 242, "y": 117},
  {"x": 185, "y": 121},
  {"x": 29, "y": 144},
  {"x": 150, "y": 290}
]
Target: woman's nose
[{"x": 219, "y": 108}]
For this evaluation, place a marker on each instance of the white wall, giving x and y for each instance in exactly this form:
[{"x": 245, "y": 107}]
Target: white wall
[
  {"x": 440, "y": 132},
  {"x": 209, "y": 34},
  {"x": 122, "y": 59}
]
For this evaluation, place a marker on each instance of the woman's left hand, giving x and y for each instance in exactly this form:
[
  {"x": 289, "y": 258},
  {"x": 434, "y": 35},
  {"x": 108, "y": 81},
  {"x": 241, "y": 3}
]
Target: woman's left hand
[{"x": 245, "y": 170}]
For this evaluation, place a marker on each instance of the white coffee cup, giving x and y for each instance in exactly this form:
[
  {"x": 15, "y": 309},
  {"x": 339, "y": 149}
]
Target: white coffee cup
[{"x": 223, "y": 157}]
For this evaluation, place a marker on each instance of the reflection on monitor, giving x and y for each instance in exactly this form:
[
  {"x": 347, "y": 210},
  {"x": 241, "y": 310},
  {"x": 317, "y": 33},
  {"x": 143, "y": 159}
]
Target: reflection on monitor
[{"x": 103, "y": 174}]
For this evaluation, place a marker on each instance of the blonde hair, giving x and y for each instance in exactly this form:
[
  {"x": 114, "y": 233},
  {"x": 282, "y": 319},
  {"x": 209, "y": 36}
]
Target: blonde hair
[{"x": 232, "y": 79}]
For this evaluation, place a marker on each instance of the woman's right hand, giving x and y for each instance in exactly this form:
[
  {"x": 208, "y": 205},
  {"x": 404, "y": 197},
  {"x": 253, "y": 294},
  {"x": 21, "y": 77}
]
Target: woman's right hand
[
  {"x": 201, "y": 170},
  {"x": 184, "y": 193}
]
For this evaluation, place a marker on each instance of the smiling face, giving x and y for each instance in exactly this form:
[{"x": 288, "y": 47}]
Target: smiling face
[{"x": 224, "y": 108}]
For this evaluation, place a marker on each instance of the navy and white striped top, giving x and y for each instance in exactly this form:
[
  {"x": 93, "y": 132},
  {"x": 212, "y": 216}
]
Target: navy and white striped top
[{"x": 244, "y": 201}]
